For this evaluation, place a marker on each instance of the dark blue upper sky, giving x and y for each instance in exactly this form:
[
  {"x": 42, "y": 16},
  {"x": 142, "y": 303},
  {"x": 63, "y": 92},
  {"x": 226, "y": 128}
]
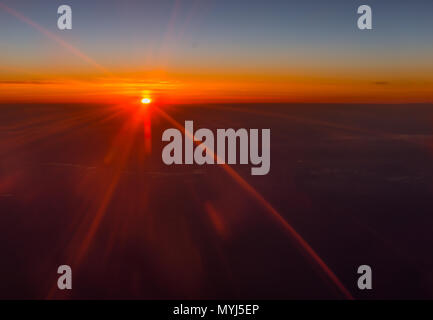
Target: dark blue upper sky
[{"x": 199, "y": 32}]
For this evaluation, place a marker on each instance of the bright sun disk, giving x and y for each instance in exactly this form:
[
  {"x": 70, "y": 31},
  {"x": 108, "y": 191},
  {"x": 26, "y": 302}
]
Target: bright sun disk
[{"x": 146, "y": 101}]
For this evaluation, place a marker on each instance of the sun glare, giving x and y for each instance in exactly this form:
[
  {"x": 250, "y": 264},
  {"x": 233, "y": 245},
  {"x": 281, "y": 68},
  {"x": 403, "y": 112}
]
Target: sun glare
[{"x": 146, "y": 101}]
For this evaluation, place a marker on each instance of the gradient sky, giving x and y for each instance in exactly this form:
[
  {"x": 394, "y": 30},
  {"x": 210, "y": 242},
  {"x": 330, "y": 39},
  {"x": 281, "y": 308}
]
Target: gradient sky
[{"x": 206, "y": 50}]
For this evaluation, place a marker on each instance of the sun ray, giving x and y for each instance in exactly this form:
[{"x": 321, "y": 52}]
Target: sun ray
[{"x": 299, "y": 240}]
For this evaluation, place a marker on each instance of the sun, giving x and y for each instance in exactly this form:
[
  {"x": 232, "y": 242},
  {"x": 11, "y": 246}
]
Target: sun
[{"x": 146, "y": 101}]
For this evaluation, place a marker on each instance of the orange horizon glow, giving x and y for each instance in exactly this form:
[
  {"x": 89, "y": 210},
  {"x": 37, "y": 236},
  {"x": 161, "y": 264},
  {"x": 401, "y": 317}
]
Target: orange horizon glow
[{"x": 188, "y": 90}]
